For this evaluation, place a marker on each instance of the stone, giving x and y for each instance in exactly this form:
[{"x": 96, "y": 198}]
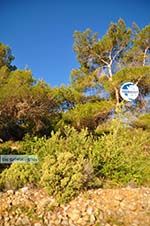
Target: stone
[
  {"x": 10, "y": 192},
  {"x": 89, "y": 210},
  {"x": 65, "y": 222},
  {"x": 44, "y": 202},
  {"x": 25, "y": 221},
  {"x": 119, "y": 197},
  {"x": 6, "y": 219},
  {"x": 132, "y": 206},
  {"x": 121, "y": 206},
  {"x": 37, "y": 224},
  {"x": 74, "y": 215},
  {"x": 24, "y": 189},
  {"x": 92, "y": 219}
]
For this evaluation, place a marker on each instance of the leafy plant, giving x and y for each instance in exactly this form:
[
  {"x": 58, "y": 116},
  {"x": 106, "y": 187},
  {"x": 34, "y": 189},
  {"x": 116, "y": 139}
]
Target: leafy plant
[{"x": 19, "y": 175}]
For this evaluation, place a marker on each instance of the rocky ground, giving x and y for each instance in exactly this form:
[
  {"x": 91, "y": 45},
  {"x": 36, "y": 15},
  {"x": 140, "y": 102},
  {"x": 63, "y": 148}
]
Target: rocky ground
[{"x": 101, "y": 207}]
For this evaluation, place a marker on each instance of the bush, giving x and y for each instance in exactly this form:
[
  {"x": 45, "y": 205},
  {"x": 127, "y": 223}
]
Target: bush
[
  {"x": 87, "y": 115},
  {"x": 33, "y": 145},
  {"x": 64, "y": 176},
  {"x": 6, "y": 148},
  {"x": 77, "y": 161},
  {"x": 67, "y": 169},
  {"x": 19, "y": 175},
  {"x": 122, "y": 156},
  {"x": 143, "y": 122}
]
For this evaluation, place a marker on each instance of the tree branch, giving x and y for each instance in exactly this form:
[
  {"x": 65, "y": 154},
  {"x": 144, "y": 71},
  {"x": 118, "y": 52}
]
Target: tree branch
[
  {"x": 101, "y": 59},
  {"x": 117, "y": 54},
  {"x": 145, "y": 53}
]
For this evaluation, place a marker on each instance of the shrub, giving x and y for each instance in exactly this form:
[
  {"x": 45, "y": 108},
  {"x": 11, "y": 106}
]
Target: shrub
[
  {"x": 143, "y": 122},
  {"x": 6, "y": 148},
  {"x": 33, "y": 145},
  {"x": 65, "y": 175},
  {"x": 67, "y": 169},
  {"x": 122, "y": 156},
  {"x": 19, "y": 175},
  {"x": 75, "y": 161},
  {"x": 87, "y": 115}
]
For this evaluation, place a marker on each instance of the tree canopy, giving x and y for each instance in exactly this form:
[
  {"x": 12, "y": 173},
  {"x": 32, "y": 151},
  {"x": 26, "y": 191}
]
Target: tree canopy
[{"x": 122, "y": 54}]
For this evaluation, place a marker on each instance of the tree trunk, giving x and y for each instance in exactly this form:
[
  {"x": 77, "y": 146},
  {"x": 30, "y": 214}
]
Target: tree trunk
[
  {"x": 116, "y": 90},
  {"x": 110, "y": 71},
  {"x": 117, "y": 96},
  {"x": 145, "y": 53}
]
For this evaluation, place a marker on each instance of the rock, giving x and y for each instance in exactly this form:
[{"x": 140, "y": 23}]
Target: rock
[
  {"x": 119, "y": 197},
  {"x": 132, "y": 206},
  {"x": 75, "y": 214},
  {"x": 124, "y": 206},
  {"x": 7, "y": 224},
  {"x": 37, "y": 224},
  {"x": 80, "y": 221},
  {"x": 17, "y": 193},
  {"x": 89, "y": 210},
  {"x": 19, "y": 221},
  {"x": 65, "y": 222},
  {"x": 46, "y": 201},
  {"x": 24, "y": 189},
  {"x": 10, "y": 192},
  {"x": 92, "y": 219},
  {"x": 25, "y": 221},
  {"x": 6, "y": 219}
]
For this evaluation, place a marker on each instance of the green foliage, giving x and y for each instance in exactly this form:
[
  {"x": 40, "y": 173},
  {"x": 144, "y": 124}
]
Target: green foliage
[
  {"x": 33, "y": 107},
  {"x": 77, "y": 161},
  {"x": 143, "y": 38},
  {"x": 66, "y": 169},
  {"x": 108, "y": 60},
  {"x": 139, "y": 75},
  {"x": 25, "y": 106},
  {"x": 112, "y": 43},
  {"x": 104, "y": 127},
  {"x": 93, "y": 150},
  {"x": 67, "y": 97},
  {"x": 5, "y": 56},
  {"x": 122, "y": 156},
  {"x": 143, "y": 122},
  {"x": 87, "y": 115},
  {"x": 138, "y": 54},
  {"x": 119, "y": 157},
  {"x": 64, "y": 176},
  {"x": 17, "y": 85},
  {"x": 83, "y": 42},
  {"x": 19, "y": 175},
  {"x": 31, "y": 145}
]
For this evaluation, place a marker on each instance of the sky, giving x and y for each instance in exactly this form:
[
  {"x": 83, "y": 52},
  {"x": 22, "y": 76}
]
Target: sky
[{"x": 40, "y": 32}]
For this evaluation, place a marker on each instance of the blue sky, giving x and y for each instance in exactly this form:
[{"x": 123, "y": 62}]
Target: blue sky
[{"x": 40, "y": 32}]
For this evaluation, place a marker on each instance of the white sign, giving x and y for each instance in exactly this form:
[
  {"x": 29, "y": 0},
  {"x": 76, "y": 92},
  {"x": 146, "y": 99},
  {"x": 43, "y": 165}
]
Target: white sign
[
  {"x": 18, "y": 158},
  {"x": 129, "y": 91}
]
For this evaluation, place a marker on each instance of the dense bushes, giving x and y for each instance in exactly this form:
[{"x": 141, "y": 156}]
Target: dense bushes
[
  {"x": 143, "y": 122},
  {"x": 87, "y": 115},
  {"x": 75, "y": 161},
  {"x": 67, "y": 168},
  {"x": 122, "y": 156},
  {"x": 18, "y": 175}
]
